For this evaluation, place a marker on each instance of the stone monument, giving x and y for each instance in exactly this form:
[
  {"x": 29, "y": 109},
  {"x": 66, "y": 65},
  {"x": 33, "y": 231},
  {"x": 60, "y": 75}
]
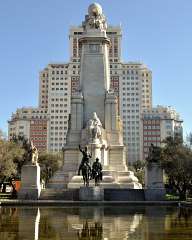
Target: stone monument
[
  {"x": 30, "y": 174},
  {"x": 154, "y": 184},
  {"x": 94, "y": 120}
]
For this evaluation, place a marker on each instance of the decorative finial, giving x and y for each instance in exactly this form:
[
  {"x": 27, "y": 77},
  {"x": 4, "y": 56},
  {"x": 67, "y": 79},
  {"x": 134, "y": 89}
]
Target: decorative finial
[{"x": 95, "y": 18}]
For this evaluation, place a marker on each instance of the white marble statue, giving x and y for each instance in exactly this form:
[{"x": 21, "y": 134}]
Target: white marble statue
[
  {"x": 94, "y": 127},
  {"x": 34, "y": 154}
]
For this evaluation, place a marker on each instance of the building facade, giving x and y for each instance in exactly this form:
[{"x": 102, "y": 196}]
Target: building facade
[
  {"x": 158, "y": 124},
  {"x": 31, "y": 123}
]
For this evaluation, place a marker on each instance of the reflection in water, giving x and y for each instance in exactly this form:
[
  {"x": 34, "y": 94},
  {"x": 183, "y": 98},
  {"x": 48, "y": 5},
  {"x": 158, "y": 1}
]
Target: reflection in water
[
  {"x": 37, "y": 220},
  {"x": 91, "y": 231},
  {"x": 182, "y": 219},
  {"x": 95, "y": 223}
]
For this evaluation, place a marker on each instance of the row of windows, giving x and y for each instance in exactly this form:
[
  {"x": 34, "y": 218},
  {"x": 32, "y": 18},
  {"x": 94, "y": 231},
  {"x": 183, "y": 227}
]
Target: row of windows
[
  {"x": 130, "y": 83},
  {"x": 131, "y": 94},
  {"x": 57, "y": 117},
  {"x": 132, "y": 139},
  {"x": 34, "y": 127},
  {"x": 132, "y": 116},
  {"x": 131, "y": 99},
  {"x": 59, "y": 72},
  {"x": 35, "y": 117},
  {"x": 131, "y": 111},
  {"x": 56, "y": 128},
  {"x": 151, "y": 127},
  {"x": 60, "y": 78},
  {"x": 130, "y": 72},
  {"x": 39, "y": 138},
  {"x": 152, "y": 138},
  {"x": 149, "y": 143},
  {"x": 57, "y": 133},
  {"x": 58, "y": 83},
  {"x": 156, "y": 122},
  {"x": 59, "y": 99},
  {"x": 133, "y": 144},
  {"x": 130, "y": 105},
  {"x": 38, "y": 133},
  {"x": 58, "y": 111},
  {"x": 57, "y": 139},
  {"x": 59, "y": 105},
  {"x": 56, "y": 122},
  {"x": 56, "y": 144},
  {"x": 132, "y": 122},
  {"x": 132, "y": 133},
  {"x": 56, "y": 89}
]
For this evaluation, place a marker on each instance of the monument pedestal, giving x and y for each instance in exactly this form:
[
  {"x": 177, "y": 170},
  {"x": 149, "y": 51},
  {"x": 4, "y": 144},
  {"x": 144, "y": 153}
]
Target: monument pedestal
[
  {"x": 91, "y": 194},
  {"x": 155, "y": 190},
  {"x": 30, "y": 182},
  {"x": 111, "y": 180}
]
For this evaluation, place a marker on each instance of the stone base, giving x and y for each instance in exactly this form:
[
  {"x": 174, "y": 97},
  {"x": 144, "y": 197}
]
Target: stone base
[
  {"x": 29, "y": 194},
  {"x": 57, "y": 181},
  {"x": 157, "y": 194},
  {"x": 111, "y": 179},
  {"x": 30, "y": 182},
  {"x": 91, "y": 194}
]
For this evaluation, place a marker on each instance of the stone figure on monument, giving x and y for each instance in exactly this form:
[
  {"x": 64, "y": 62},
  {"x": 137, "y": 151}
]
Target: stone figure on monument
[
  {"x": 154, "y": 154},
  {"x": 94, "y": 127},
  {"x": 31, "y": 155},
  {"x": 85, "y": 165},
  {"x": 95, "y": 19},
  {"x": 35, "y": 155},
  {"x": 97, "y": 171}
]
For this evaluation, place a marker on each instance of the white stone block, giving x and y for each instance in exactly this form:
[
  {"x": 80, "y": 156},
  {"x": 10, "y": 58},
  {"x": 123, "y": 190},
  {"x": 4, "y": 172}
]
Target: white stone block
[{"x": 30, "y": 182}]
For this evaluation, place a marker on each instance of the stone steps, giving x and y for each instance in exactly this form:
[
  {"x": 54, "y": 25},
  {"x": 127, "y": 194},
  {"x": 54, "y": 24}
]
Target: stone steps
[{"x": 58, "y": 194}]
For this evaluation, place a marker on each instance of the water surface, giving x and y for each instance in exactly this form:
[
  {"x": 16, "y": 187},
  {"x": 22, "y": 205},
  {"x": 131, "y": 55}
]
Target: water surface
[{"x": 95, "y": 223}]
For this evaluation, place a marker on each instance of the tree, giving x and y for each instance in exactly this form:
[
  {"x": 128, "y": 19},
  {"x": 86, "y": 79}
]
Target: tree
[
  {"x": 176, "y": 160},
  {"x": 49, "y": 163},
  {"x": 10, "y": 155},
  {"x": 189, "y": 139}
]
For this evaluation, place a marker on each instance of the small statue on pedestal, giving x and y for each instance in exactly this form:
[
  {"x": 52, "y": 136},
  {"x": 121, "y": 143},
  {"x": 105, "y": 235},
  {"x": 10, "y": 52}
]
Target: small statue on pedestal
[
  {"x": 154, "y": 154},
  {"x": 31, "y": 155}
]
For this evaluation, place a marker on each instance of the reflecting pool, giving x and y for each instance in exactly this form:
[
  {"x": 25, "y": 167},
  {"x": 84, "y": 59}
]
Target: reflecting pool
[{"x": 95, "y": 223}]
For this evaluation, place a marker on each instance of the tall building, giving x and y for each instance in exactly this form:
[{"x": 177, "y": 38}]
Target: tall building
[
  {"x": 158, "y": 124},
  {"x": 131, "y": 82}
]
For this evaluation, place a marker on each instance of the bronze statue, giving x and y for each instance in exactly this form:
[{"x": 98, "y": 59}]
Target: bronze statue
[
  {"x": 97, "y": 172},
  {"x": 85, "y": 165},
  {"x": 154, "y": 154}
]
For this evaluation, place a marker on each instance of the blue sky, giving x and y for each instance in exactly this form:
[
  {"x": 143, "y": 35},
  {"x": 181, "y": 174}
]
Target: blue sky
[{"x": 156, "y": 32}]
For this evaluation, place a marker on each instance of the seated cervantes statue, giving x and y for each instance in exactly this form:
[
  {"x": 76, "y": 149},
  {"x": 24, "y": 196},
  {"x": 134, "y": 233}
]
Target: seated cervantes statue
[{"x": 94, "y": 127}]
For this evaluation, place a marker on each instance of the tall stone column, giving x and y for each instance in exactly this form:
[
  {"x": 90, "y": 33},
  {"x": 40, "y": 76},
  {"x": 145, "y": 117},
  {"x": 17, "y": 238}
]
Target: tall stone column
[{"x": 94, "y": 77}]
